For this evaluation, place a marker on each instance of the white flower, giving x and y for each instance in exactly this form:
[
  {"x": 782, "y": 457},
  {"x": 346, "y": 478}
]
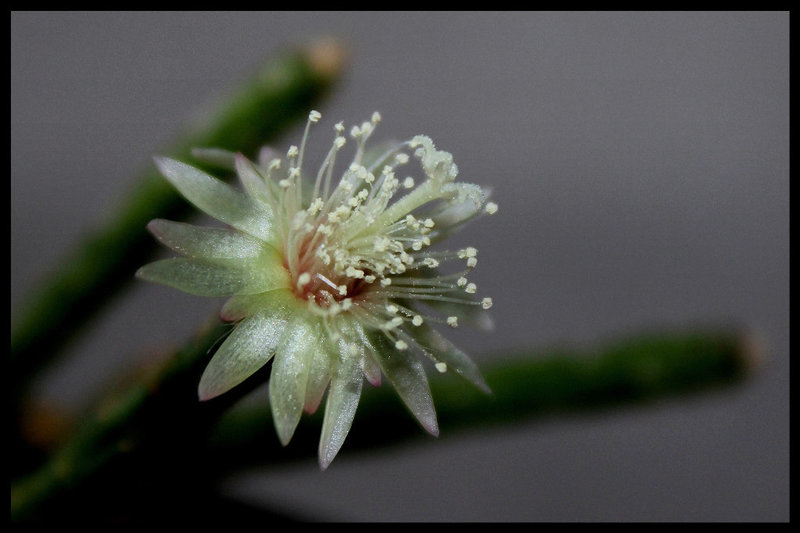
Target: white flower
[{"x": 336, "y": 278}]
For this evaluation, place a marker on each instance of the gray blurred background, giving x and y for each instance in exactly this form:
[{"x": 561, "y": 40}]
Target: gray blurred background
[{"x": 641, "y": 165}]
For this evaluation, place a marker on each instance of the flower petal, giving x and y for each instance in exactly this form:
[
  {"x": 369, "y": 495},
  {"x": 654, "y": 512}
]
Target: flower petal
[
  {"x": 218, "y": 199},
  {"x": 372, "y": 370},
  {"x": 206, "y": 277},
  {"x": 441, "y": 350},
  {"x": 193, "y": 276},
  {"x": 287, "y": 384},
  {"x": 467, "y": 202},
  {"x": 406, "y": 373},
  {"x": 199, "y": 241},
  {"x": 318, "y": 378},
  {"x": 341, "y": 406},
  {"x": 249, "y": 347},
  {"x": 252, "y": 180},
  {"x": 239, "y": 306}
]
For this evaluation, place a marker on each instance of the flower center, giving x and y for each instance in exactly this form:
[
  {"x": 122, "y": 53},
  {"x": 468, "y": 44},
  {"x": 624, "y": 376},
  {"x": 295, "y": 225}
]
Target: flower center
[{"x": 316, "y": 282}]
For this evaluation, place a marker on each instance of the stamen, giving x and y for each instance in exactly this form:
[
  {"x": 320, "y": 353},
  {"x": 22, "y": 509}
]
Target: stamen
[{"x": 358, "y": 233}]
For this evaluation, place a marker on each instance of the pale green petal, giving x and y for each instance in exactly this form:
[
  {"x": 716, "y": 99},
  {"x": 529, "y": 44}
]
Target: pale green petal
[
  {"x": 239, "y": 306},
  {"x": 203, "y": 277},
  {"x": 218, "y": 199},
  {"x": 249, "y": 347},
  {"x": 251, "y": 179},
  {"x": 196, "y": 277},
  {"x": 281, "y": 300},
  {"x": 372, "y": 370},
  {"x": 441, "y": 350},
  {"x": 290, "y": 370},
  {"x": 340, "y": 408},
  {"x": 406, "y": 373},
  {"x": 318, "y": 378},
  {"x": 199, "y": 241},
  {"x": 468, "y": 202}
]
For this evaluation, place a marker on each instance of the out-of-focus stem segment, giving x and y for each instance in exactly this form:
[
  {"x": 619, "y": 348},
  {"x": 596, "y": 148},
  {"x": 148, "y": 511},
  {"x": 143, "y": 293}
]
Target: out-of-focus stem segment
[
  {"x": 525, "y": 385},
  {"x": 282, "y": 93},
  {"x": 150, "y": 445}
]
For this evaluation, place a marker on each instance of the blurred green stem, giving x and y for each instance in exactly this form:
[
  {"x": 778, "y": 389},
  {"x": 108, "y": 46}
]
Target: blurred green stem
[
  {"x": 280, "y": 94},
  {"x": 151, "y": 444}
]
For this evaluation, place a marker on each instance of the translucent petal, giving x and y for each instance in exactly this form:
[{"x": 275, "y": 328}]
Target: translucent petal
[
  {"x": 193, "y": 276},
  {"x": 441, "y": 350},
  {"x": 372, "y": 370},
  {"x": 290, "y": 370},
  {"x": 251, "y": 179},
  {"x": 206, "y": 277},
  {"x": 340, "y": 407},
  {"x": 406, "y": 373},
  {"x": 318, "y": 378},
  {"x": 241, "y": 305},
  {"x": 198, "y": 241},
  {"x": 218, "y": 199},
  {"x": 467, "y": 202},
  {"x": 249, "y": 347}
]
